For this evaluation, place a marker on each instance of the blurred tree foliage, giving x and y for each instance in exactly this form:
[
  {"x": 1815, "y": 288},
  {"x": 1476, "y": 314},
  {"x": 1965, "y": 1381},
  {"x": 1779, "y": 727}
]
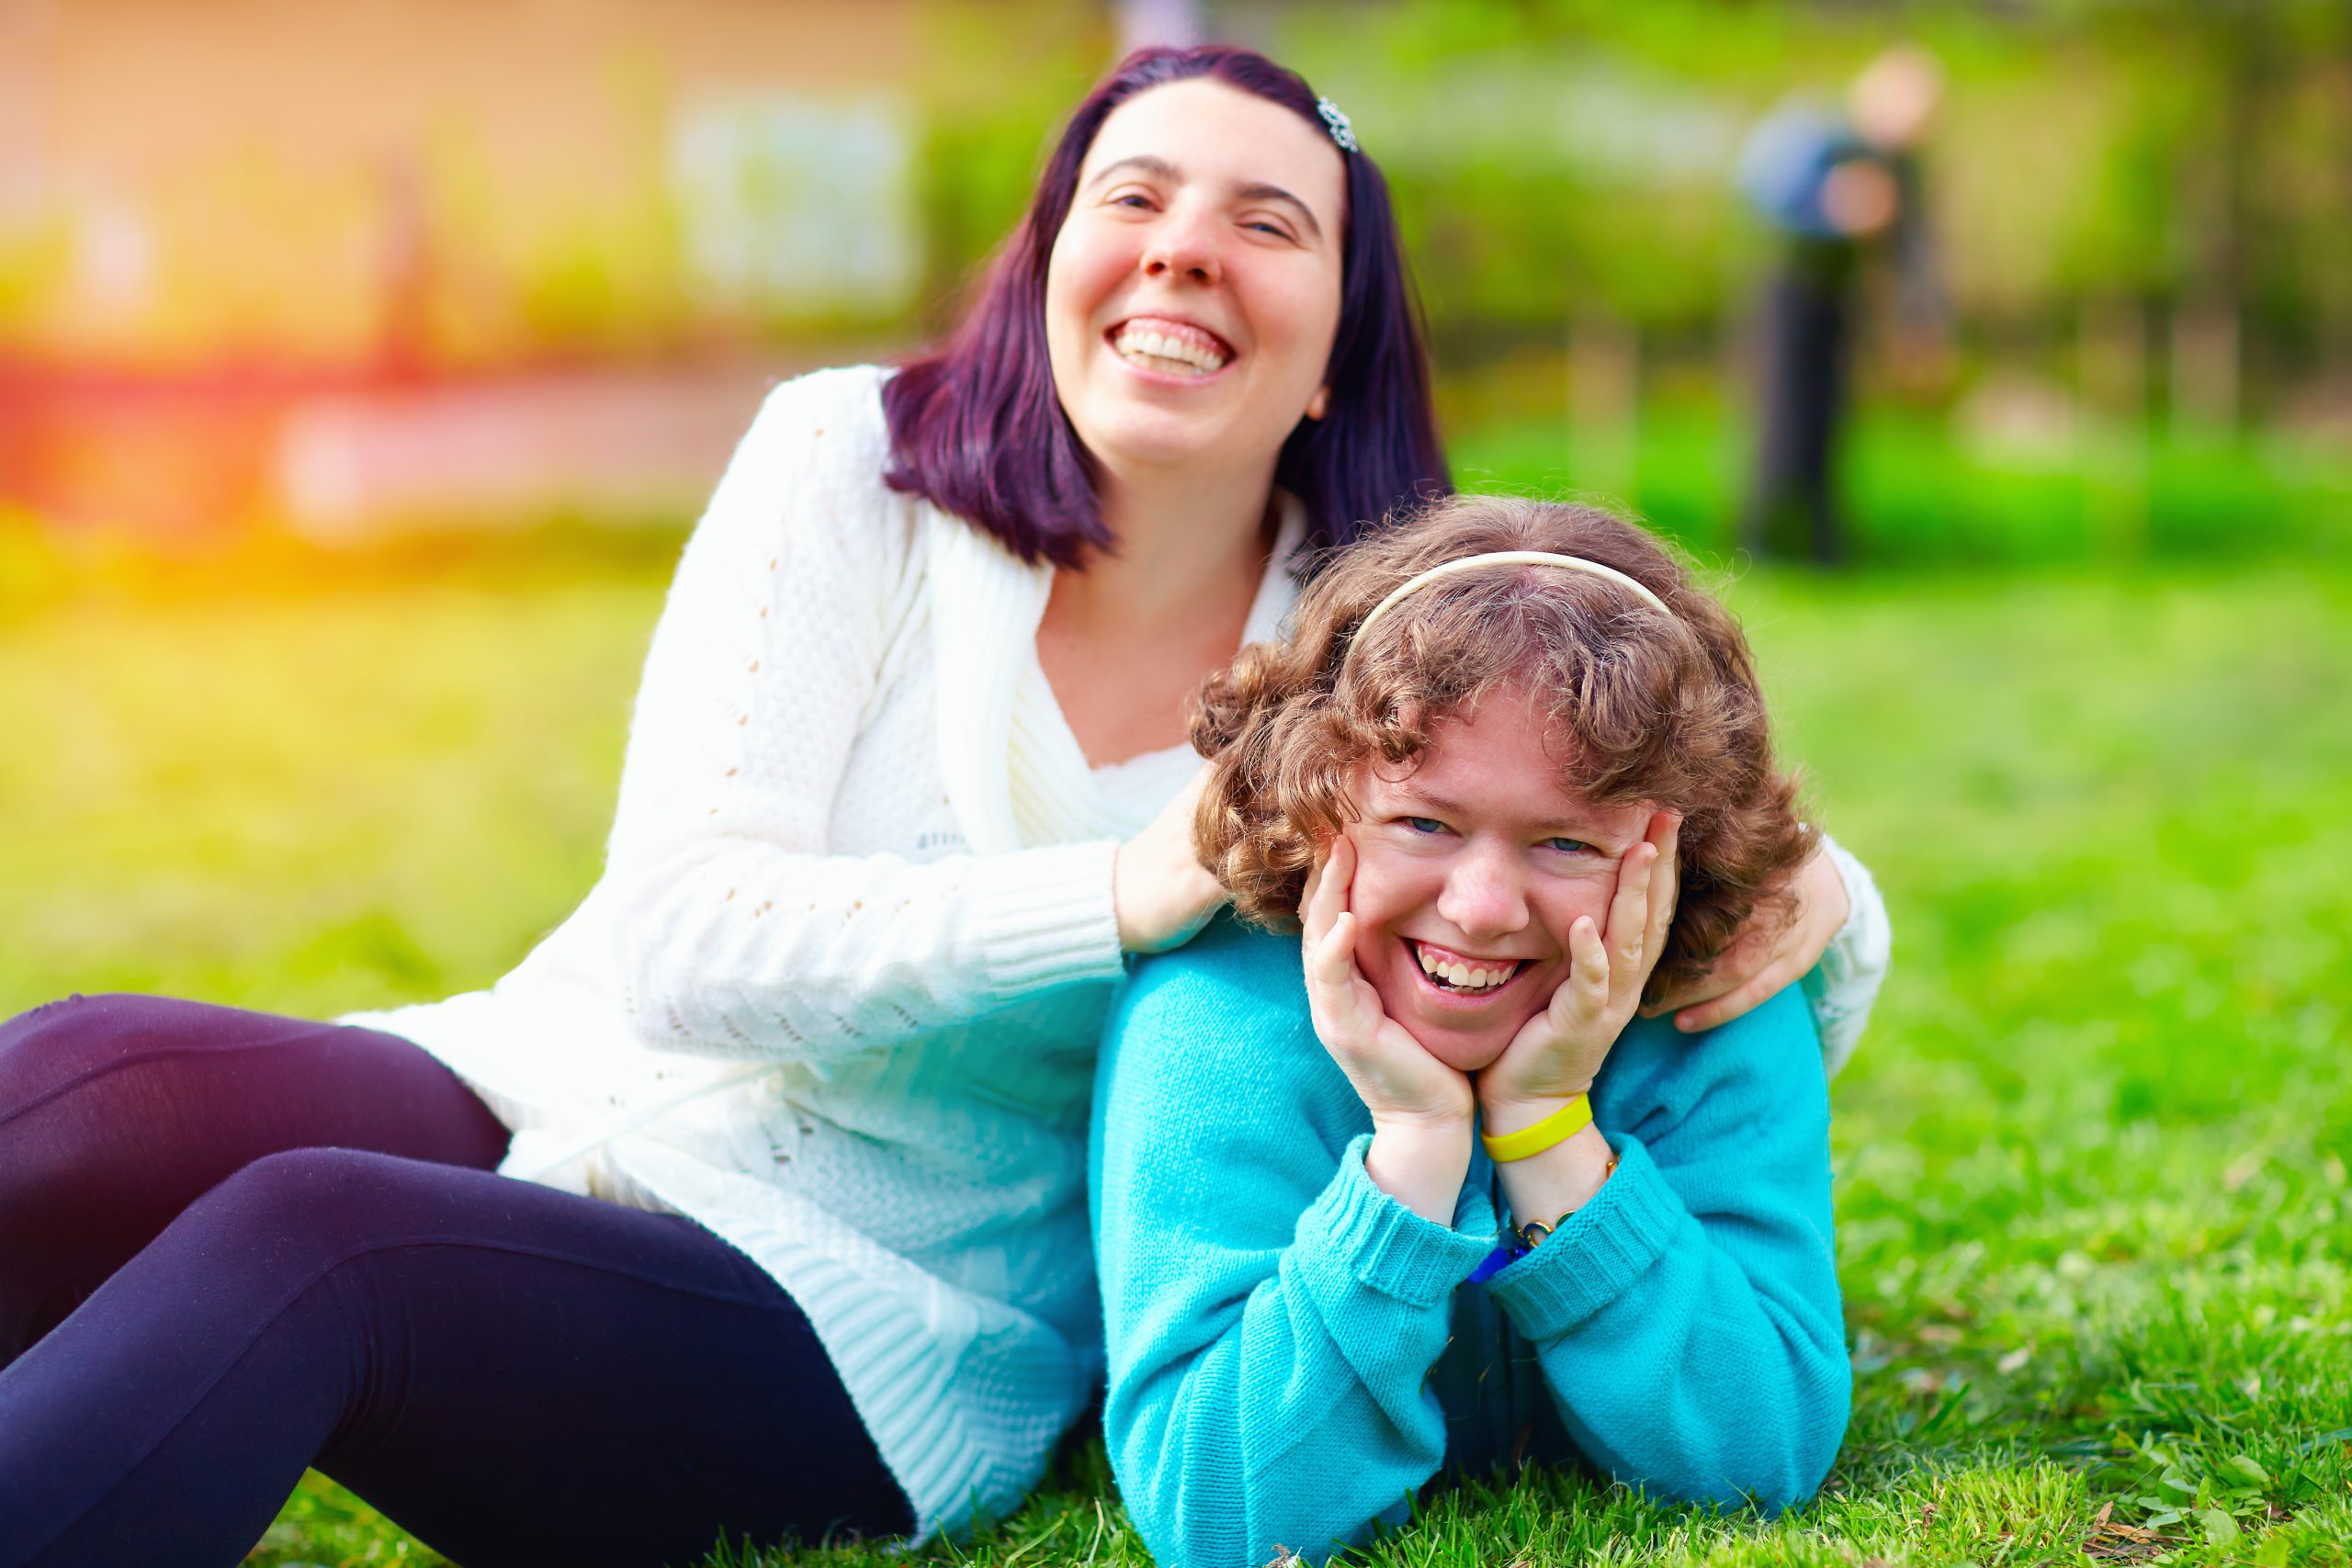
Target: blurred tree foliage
[
  {"x": 1553, "y": 152},
  {"x": 2186, "y": 162},
  {"x": 2172, "y": 160}
]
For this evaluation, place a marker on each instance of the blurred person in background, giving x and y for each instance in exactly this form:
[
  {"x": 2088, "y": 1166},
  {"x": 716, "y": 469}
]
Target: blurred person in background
[
  {"x": 798, "y": 1096},
  {"x": 1838, "y": 190}
]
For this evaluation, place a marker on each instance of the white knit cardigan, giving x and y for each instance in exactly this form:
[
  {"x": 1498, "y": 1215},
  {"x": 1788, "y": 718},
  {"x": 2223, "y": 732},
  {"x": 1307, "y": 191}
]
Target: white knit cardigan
[{"x": 836, "y": 996}]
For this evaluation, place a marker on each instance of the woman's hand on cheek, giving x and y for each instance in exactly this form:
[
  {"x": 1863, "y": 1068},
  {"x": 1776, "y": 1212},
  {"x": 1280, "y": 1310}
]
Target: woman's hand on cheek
[
  {"x": 1421, "y": 1108},
  {"x": 1557, "y": 1053},
  {"x": 1775, "y": 949}
]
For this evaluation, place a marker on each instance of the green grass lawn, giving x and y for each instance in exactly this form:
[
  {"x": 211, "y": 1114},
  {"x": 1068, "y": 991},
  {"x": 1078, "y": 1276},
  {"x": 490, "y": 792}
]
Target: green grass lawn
[
  {"x": 2092, "y": 1188},
  {"x": 1923, "y": 494}
]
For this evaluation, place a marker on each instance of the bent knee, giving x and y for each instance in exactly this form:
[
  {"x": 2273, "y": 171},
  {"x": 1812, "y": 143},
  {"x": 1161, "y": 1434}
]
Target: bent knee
[
  {"x": 76, "y": 1034},
  {"x": 65, "y": 1095},
  {"x": 281, "y": 1193},
  {"x": 125, "y": 1038},
  {"x": 303, "y": 1212},
  {"x": 107, "y": 1016},
  {"x": 292, "y": 1218}
]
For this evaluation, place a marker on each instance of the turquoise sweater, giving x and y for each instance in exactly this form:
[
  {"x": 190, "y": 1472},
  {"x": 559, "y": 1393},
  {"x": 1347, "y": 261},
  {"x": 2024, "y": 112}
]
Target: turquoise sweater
[{"x": 1293, "y": 1353}]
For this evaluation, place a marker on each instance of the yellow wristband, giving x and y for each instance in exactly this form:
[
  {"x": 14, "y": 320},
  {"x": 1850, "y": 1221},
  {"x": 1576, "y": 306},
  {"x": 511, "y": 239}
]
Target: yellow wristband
[{"x": 1557, "y": 1128}]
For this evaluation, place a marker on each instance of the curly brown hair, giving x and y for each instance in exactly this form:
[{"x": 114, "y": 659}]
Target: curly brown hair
[{"x": 1662, "y": 708}]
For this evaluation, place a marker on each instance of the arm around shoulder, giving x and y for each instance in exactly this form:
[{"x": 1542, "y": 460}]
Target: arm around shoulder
[{"x": 737, "y": 931}]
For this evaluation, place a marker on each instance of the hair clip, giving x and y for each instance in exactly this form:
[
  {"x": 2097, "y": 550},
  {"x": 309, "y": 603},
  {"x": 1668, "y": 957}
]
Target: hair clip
[{"x": 1341, "y": 132}]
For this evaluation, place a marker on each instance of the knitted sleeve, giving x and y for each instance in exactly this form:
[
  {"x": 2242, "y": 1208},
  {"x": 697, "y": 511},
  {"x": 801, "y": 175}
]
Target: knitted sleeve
[
  {"x": 736, "y": 933},
  {"x": 1686, "y": 1319},
  {"x": 1844, "y": 986},
  {"x": 1270, "y": 1316}
]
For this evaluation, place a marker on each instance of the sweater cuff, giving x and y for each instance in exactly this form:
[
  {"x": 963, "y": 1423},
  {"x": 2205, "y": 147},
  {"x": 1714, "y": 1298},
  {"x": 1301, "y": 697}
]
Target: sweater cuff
[
  {"x": 1046, "y": 918},
  {"x": 1597, "y": 1254},
  {"x": 1359, "y": 1230}
]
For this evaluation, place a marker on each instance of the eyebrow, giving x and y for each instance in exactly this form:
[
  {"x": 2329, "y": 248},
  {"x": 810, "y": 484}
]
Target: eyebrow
[{"x": 1160, "y": 168}]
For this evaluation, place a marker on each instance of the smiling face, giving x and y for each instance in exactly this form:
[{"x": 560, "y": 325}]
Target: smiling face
[
  {"x": 1470, "y": 872},
  {"x": 1193, "y": 291}
]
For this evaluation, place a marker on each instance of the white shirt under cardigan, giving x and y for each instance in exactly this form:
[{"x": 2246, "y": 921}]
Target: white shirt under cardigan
[{"x": 840, "y": 983}]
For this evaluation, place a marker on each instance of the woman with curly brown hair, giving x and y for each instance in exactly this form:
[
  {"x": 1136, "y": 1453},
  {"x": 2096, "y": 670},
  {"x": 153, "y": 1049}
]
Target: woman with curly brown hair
[{"x": 1511, "y": 772}]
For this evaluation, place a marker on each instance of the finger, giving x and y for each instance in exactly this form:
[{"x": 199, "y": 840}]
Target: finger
[
  {"x": 1629, "y": 910},
  {"x": 1331, "y": 960},
  {"x": 1326, "y": 886},
  {"x": 1665, "y": 882},
  {"x": 1709, "y": 985},
  {"x": 1731, "y": 968},
  {"x": 1587, "y": 990},
  {"x": 1331, "y": 984},
  {"x": 1631, "y": 953},
  {"x": 1743, "y": 999}
]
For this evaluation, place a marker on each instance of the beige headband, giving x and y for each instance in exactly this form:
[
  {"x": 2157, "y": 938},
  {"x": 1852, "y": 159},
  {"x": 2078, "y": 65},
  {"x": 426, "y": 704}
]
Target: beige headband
[{"x": 1505, "y": 558}]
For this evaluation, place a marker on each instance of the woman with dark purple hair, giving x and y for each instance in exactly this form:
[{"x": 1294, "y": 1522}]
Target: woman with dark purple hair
[{"x": 799, "y": 1095}]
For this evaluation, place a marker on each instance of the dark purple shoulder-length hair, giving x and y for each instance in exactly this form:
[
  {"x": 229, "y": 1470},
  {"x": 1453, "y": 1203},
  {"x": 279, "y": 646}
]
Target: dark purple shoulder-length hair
[{"x": 976, "y": 426}]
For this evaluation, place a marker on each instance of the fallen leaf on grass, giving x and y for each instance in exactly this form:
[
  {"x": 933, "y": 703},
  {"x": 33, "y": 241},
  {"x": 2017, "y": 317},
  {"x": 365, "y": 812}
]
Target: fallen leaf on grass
[
  {"x": 2106, "y": 1550},
  {"x": 2112, "y": 1540}
]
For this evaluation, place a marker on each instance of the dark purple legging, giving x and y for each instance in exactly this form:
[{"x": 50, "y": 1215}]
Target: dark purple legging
[{"x": 233, "y": 1246}]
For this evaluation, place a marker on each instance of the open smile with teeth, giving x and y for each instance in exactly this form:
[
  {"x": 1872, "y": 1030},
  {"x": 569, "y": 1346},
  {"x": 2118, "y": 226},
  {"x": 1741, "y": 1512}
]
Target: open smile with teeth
[
  {"x": 1453, "y": 972},
  {"x": 1175, "y": 348}
]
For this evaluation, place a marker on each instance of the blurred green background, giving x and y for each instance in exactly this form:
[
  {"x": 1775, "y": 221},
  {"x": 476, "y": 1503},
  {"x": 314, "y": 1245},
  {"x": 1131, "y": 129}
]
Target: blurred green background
[
  {"x": 361, "y": 369},
  {"x": 385, "y": 267}
]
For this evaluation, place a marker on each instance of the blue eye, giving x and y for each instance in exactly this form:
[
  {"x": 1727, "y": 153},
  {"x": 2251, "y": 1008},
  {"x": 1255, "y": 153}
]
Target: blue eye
[
  {"x": 1423, "y": 824},
  {"x": 1566, "y": 846}
]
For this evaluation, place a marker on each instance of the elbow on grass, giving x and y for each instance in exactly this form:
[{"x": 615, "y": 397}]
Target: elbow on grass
[
  {"x": 1767, "y": 1451},
  {"x": 1787, "y": 1476},
  {"x": 1196, "y": 1510},
  {"x": 1216, "y": 1537}
]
